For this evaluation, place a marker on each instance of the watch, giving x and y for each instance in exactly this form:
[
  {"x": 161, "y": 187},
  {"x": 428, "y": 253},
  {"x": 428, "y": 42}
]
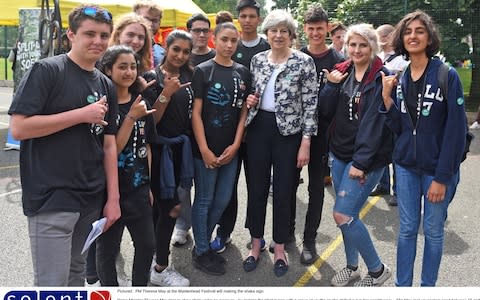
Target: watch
[{"x": 162, "y": 99}]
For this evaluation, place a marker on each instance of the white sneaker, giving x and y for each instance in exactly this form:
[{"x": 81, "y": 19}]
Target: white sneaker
[
  {"x": 344, "y": 276},
  {"x": 369, "y": 281},
  {"x": 95, "y": 284},
  {"x": 179, "y": 237},
  {"x": 168, "y": 277},
  {"x": 475, "y": 125}
]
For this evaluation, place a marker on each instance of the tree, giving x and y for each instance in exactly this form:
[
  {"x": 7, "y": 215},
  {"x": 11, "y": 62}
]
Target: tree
[{"x": 214, "y": 6}]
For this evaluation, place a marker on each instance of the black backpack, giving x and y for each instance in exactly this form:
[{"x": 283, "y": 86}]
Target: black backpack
[{"x": 443, "y": 83}]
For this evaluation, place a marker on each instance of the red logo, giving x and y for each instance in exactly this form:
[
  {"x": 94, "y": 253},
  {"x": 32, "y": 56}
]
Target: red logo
[{"x": 100, "y": 295}]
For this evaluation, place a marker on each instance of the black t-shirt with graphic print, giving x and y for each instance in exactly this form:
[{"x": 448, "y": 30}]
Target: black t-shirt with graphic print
[
  {"x": 223, "y": 91},
  {"x": 63, "y": 171},
  {"x": 133, "y": 172}
]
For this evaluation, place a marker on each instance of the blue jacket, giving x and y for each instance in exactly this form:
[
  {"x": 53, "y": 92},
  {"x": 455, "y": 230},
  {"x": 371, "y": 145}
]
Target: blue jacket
[
  {"x": 435, "y": 147},
  {"x": 367, "y": 142}
]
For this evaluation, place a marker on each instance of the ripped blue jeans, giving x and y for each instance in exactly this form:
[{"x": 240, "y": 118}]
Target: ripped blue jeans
[{"x": 350, "y": 196}]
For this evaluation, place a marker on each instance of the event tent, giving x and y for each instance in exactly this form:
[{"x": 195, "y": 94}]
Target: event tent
[{"x": 175, "y": 13}]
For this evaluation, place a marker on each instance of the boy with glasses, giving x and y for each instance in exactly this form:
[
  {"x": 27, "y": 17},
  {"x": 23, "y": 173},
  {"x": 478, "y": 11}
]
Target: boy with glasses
[
  {"x": 65, "y": 100},
  {"x": 199, "y": 26}
]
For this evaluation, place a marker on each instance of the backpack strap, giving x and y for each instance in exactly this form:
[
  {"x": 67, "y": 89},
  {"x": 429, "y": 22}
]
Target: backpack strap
[{"x": 442, "y": 77}]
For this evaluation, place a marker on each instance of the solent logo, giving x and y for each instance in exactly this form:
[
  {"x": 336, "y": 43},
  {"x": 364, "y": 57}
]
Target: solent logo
[{"x": 57, "y": 295}]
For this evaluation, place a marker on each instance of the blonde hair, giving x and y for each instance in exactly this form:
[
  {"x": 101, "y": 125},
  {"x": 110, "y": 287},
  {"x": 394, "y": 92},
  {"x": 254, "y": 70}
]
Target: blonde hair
[
  {"x": 146, "y": 52},
  {"x": 367, "y": 32},
  {"x": 150, "y": 5}
]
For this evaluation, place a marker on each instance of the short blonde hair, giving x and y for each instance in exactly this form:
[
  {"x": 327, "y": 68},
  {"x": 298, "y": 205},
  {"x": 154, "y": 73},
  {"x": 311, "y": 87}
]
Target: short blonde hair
[
  {"x": 367, "y": 32},
  {"x": 279, "y": 17}
]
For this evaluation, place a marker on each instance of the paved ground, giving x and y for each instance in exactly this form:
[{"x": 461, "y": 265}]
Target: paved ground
[{"x": 460, "y": 265}]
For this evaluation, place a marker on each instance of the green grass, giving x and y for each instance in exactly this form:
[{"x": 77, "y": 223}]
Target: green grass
[
  {"x": 465, "y": 78},
  {"x": 9, "y": 75}
]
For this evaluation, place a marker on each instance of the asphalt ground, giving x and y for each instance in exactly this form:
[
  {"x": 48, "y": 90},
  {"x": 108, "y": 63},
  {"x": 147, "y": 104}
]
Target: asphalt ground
[{"x": 460, "y": 266}]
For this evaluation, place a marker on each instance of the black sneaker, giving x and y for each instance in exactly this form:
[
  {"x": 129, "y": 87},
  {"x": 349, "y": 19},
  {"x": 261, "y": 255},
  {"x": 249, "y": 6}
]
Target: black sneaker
[
  {"x": 206, "y": 263},
  {"x": 379, "y": 191},
  {"x": 309, "y": 254}
]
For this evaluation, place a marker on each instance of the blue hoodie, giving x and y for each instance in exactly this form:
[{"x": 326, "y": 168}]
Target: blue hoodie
[{"x": 436, "y": 145}]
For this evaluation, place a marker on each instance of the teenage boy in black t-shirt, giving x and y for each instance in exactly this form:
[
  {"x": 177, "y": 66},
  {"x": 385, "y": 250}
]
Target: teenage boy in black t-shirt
[
  {"x": 316, "y": 29},
  {"x": 64, "y": 113},
  {"x": 199, "y": 27},
  {"x": 249, "y": 45}
]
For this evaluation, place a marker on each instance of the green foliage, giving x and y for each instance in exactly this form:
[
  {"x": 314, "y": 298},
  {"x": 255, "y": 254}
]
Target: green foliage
[{"x": 214, "y": 6}]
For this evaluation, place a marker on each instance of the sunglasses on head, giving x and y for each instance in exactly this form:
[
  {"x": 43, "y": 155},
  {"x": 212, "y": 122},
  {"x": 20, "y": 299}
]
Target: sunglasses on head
[{"x": 93, "y": 11}]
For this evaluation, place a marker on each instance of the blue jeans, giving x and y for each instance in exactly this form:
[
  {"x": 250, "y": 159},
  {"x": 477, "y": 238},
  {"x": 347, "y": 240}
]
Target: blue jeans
[
  {"x": 213, "y": 190},
  {"x": 410, "y": 189},
  {"x": 350, "y": 196}
]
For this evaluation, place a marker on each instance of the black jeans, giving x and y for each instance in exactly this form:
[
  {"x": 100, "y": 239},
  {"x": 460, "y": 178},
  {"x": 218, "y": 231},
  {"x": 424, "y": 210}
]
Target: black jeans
[
  {"x": 267, "y": 148},
  {"x": 108, "y": 247}
]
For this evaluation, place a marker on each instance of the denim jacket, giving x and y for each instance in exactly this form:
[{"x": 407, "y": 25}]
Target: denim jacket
[{"x": 295, "y": 92}]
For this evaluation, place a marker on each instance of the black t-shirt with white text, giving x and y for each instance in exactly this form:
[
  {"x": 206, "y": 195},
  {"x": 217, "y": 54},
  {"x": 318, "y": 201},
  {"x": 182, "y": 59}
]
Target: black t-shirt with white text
[
  {"x": 63, "y": 171},
  {"x": 223, "y": 91}
]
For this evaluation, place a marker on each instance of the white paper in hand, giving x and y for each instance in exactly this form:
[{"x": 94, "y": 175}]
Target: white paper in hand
[{"x": 97, "y": 229}]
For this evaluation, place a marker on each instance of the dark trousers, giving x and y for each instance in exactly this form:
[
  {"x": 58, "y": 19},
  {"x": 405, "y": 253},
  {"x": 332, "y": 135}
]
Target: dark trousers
[
  {"x": 163, "y": 222},
  {"x": 267, "y": 148},
  {"x": 317, "y": 168},
  {"x": 108, "y": 247},
  {"x": 229, "y": 216}
]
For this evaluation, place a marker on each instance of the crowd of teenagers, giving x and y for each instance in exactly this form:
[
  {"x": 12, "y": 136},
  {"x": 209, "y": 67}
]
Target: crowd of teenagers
[{"x": 144, "y": 123}]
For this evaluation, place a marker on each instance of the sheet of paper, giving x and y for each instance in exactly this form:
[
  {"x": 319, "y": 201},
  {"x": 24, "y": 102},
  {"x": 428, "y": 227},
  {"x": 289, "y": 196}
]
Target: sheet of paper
[{"x": 97, "y": 229}]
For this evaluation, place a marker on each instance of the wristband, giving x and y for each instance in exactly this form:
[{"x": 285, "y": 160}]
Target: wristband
[{"x": 307, "y": 137}]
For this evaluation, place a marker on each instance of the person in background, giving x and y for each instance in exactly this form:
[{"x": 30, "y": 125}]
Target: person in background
[
  {"x": 360, "y": 147},
  {"x": 223, "y": 16},
  {"x": 64, "y": 100},
  {"x": 136, "y": 132},
  {"x": 134, "y": 31},
  {"x": 316, "y": 30},
  {"x": 150, "y": 10},
  {"x": 430, "y": 127},
  {"x": 396, "y": 64},
  {"x": 337, "y": 34},
  {"x": 199, "y": 27},
  {"x": 280, "y": 126},
  {"x": 220, "y": 87},
  {"x": 172, "y": 161},
  {"x": 249, "y": 44}
]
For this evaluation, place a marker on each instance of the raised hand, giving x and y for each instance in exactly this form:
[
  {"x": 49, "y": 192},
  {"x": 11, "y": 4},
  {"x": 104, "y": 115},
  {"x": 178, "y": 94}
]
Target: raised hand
[
  {"x": 388, "y": 83},
  {"x": 171, "y": 84},
  {"x": 95, "y": 113},
  {"x": 335, "y": 76},
  {"x": 139, "y": 108}
]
